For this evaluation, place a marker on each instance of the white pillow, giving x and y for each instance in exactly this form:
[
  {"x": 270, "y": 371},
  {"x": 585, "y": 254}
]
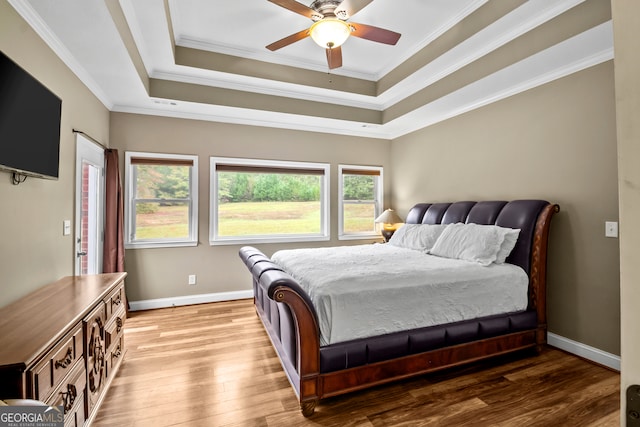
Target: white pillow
[
  {"x": 420, "y": 237},
  {"x": 509, "y": 242},
  {"x": 473, "y": 242}
]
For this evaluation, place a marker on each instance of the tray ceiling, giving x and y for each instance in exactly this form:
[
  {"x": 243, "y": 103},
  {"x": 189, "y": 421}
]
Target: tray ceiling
[{"x": 206, "y": 59}]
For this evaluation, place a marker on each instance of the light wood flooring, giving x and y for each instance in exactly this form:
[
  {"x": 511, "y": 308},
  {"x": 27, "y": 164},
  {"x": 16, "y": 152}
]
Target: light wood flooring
[{"x": 213, "y": 365}]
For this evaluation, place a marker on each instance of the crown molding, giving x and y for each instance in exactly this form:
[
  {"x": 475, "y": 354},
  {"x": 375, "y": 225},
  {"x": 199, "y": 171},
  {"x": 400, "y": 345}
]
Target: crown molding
[
  {"x": 272, "y": 87},
  {"x": 243, "y": 116},
  {"x": 526, "y": 17},
  {"x": 585, "y": 50},
  {"x": 580, "y": 52},
  {"x": 494, "y": 36}
]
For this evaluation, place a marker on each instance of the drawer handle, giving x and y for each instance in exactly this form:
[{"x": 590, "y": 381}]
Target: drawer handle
[
  {"x": 118, "y": 324},
  {"x": 69, "y": 397},
  {"x": 117, "y": 300},
  {"x": 117, "y": 352},
  {"x": 98, "y": 357},
  {"x": 96, "y": 370},
  {"x": 66, "y": 361}
]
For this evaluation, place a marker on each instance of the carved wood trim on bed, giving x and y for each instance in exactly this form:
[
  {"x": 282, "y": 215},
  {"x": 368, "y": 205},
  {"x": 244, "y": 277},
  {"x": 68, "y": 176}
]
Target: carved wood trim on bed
[
  {"x": 278, "y": 297},
  {"x": 538, "y": 274}
]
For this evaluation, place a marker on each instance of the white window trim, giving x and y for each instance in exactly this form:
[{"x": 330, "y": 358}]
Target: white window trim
[
  {"x": 192, "y": 240},
  {"x": 379, "y": 202},
  {"x": 214, "y": 239}
]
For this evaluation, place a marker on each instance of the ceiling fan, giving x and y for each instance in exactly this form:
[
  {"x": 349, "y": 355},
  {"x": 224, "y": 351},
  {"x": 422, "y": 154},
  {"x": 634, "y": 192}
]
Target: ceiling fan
[{"x": 330, "y": 29}]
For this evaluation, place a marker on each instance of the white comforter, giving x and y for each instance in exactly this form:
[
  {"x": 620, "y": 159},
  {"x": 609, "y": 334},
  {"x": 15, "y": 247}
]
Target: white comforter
[{"x": 368, "y": 290}]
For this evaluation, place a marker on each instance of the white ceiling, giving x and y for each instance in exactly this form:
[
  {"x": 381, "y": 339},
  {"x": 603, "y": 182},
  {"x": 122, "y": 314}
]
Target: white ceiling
[{"x": 85, "y": 34}]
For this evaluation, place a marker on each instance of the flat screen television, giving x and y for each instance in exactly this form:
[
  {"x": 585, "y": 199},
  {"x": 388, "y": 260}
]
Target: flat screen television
[{"x": 29, "y": 123}]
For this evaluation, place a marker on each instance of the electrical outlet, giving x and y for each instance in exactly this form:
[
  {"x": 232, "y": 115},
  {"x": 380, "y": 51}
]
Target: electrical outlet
[
  {"x": 611, "y": 229},
  {"x": 192, "y": 279}
]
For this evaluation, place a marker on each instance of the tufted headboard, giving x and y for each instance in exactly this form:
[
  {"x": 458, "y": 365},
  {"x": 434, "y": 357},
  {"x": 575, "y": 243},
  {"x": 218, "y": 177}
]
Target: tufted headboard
[{"x": 522, "y": 214}]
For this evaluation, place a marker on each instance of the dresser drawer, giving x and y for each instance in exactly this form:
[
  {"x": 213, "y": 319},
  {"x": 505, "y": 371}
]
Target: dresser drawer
[
  {"x": 115, "y": 356},
  {"x": 114, "y": 327},
  {"x": 115, "y": 301},
  {"x": 57, "y": 363},
  {"x": 70, "y": 395},
  {"x": 53, "y": 347}
]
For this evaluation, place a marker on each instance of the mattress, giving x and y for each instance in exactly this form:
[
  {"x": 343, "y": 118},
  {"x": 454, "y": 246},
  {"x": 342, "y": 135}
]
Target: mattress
[{"x": 368, "y": 290}]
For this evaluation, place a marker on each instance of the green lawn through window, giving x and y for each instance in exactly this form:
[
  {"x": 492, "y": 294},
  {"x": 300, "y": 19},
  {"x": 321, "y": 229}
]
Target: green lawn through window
[
  {"x": 250, "y": 218},
  {"x": 165, "y": 222},
  {"x": 260, "y": 218}
]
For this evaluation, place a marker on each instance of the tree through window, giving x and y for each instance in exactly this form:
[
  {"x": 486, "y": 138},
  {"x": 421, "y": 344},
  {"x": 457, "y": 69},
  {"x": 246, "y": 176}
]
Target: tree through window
[
  {"x": 360, "y": 200},
  {"x": 161, "y": 199},
  {"x": 260, "y": 201}
]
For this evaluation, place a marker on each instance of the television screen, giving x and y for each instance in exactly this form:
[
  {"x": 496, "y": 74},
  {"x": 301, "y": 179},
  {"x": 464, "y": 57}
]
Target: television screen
[{"x": 29, "y": 123}]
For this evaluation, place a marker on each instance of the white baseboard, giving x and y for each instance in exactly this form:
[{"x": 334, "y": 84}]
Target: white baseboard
[
  {"x": 188, "y": 300},
  {"x": 591, "y": 353}
]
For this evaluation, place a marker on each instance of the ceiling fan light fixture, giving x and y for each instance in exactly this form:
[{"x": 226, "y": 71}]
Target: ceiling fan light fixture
[{"x": 330, "y": 32}]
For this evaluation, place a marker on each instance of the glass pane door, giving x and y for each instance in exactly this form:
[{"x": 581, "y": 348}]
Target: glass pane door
[{"x": 89, "y": 206}]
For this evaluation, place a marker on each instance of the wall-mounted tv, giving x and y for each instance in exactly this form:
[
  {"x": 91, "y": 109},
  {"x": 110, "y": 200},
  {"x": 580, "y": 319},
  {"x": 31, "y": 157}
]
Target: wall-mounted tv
[{"x": 29, "y": 123}]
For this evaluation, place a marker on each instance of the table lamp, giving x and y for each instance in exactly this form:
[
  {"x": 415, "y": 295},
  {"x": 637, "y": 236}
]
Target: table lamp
[{"x": 390, "y": 221}]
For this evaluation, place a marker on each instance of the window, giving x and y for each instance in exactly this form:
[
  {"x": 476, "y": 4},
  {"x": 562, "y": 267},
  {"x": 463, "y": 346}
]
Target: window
[
  {"x": 264, "y": 201},
  {"x": 360, "y": 196},
  {"x": 161, "y": 200}
]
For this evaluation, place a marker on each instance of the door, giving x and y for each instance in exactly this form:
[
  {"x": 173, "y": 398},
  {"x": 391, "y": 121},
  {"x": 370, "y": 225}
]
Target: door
[{"x": 89, "y": 216}]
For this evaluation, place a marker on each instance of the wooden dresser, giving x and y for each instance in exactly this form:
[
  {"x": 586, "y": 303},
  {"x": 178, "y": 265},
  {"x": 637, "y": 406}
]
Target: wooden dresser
[{"x": 63, "y": 344}]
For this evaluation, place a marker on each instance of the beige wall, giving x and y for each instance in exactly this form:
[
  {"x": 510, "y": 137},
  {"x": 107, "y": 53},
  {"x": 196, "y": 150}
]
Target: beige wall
[
  {"x": 555, "y": 142},
  {"x": 162, "y": 272},
  {"x": 33, "y": 251},
  {"x": 626, "y": 26}
]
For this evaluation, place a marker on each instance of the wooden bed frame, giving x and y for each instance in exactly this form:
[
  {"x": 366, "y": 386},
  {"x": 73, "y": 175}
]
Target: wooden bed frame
[{"x": 317, "y": 372}]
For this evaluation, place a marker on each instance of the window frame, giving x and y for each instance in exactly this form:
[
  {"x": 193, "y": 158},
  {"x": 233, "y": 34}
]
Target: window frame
[
  {"x": 129, "y": 202},
  {"x": 324, "y": 235},
  {"x": 378, "y": 201}
]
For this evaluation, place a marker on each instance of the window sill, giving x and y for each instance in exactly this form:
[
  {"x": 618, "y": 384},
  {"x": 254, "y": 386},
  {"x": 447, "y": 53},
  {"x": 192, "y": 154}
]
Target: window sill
[
  {"x": 152, "y": 245},
  {"x": 267, "y": 239},
  {"x": 371, "y": 236}
]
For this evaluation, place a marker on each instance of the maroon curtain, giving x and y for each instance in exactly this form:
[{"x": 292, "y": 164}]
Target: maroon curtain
[{"x": 113, "y": 251}]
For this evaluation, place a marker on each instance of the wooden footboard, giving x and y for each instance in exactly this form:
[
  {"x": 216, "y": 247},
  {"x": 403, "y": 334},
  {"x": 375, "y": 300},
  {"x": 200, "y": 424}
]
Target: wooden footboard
[{"x": 291, "y": 322}]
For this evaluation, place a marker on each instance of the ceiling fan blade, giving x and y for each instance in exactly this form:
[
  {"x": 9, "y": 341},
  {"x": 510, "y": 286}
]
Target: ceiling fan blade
[
  {"x": 299, "y": 8},
  {"x": 375, "y": 34},
  {"x": 288, "y": 40},
  {"x": 334, "y": 57},
  {"x": 350, "y": 7}
]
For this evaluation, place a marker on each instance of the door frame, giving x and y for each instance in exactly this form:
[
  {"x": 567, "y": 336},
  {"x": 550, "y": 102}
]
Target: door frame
[{"x": 92, "y": 153}]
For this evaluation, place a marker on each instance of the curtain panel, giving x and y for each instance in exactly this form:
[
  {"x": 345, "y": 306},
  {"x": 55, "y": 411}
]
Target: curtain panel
[{"x": 113, "y": 251}]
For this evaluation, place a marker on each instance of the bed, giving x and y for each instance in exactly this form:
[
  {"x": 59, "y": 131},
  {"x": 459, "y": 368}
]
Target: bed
[{"x": 339, "y": 323}]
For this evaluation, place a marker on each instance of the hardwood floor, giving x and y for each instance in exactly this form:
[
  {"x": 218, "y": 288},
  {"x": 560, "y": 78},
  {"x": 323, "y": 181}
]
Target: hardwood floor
[{"x": 213, "y": 365}]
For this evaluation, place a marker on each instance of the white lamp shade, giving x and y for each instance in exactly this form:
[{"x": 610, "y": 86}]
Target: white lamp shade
[
  {"x": 330, "y": 32},
  {"x": 389, "y": 217}
]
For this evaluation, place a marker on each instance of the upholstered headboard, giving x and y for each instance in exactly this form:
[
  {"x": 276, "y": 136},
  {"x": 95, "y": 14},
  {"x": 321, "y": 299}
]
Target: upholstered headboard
[{"x": 522, "y": 214}]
